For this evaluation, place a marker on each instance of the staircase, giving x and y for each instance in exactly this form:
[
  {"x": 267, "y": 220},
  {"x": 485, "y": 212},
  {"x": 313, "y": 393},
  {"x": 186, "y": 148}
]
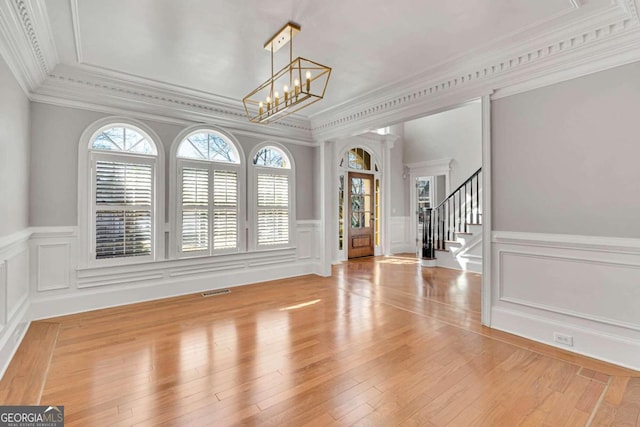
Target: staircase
[{"x": 452, "y": 231}]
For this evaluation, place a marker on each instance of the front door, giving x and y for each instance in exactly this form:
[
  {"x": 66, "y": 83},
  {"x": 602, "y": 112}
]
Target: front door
[{"x": 361, "y": 218}]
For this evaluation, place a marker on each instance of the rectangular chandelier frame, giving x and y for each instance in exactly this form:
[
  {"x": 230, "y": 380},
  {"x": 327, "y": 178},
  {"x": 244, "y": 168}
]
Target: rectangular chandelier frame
[{"x": 297, "y": 85}]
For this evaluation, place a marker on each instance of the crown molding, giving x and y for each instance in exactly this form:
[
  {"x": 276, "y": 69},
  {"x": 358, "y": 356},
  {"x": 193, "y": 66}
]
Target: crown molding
[
  {"x": 104, "y": 90},
  {"x": 602, "y": 40},
  {"x": 570, "y": 45},
  {"x": 26, "y": 41}
]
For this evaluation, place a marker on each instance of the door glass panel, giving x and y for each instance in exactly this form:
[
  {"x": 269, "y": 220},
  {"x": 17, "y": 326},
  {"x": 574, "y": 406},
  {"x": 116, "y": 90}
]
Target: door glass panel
[{"x": 361, "y": 198}]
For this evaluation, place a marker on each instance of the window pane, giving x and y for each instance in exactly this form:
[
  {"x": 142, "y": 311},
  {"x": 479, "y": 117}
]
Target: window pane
[
  {"x": 271, "y": 157},
  {"x": 273, "y": 227},
  {"x": 123, "y": 184},
  {"x": 195, "y": 230},
  {"x": 195, "y": 209},
  {"x": 195, "y": 187},
  {"x": 207, "y": 146},
  {"x": 123, "y": 139},
  {"x": 273, "y": 190},
  {"x": 121, "y": 233},
  {"x": 273, "y": 209},
  {"x": 225, "y": 214},
  {"x": 225, "y": 229}
]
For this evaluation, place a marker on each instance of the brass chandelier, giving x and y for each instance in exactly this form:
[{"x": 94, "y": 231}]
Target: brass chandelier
[{"x": 296, "y": 86}]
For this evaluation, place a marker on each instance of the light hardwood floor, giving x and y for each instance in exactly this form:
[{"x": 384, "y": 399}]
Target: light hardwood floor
[{"x": 382, "y": 342}]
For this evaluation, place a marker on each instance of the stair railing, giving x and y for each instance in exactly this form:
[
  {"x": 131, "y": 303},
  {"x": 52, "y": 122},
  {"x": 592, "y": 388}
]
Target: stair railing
[{"x": 453, "y": 215}]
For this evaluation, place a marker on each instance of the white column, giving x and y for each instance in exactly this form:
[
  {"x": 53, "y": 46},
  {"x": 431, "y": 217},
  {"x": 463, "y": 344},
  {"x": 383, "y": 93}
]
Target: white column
[
  {"x": 388, "y": 142},
  {"x": 486, "y": 211},
  {"x": 327, "y": 211}
]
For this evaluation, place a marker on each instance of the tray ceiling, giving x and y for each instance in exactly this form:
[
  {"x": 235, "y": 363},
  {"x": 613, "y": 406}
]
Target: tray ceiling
[{"x": 215, "y": 46}]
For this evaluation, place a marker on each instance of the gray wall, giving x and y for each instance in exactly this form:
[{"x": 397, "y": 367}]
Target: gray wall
[
  {"x": 55, "y": 134},
  {"x": 566, "y": 158},
  {"x": 456, "y": 134},
  {"x": 14, "y": 154}
]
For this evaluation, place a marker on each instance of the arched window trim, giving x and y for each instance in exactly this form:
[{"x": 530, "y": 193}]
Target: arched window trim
[
  {"x": 175, "y": 208},
  {"x": 253, "y": 172},
  {"x": 87, "y": 157}
]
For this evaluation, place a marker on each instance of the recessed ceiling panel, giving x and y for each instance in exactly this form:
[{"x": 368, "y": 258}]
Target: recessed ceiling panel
[{"x": 216, "y": 46}]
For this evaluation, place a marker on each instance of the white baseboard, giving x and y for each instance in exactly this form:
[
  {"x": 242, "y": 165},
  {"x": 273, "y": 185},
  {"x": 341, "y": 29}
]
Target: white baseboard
[
  {"x": 403, "y": 249},
  {"x": 12, "y": 334},
  {"x": 609, "y": 348}
]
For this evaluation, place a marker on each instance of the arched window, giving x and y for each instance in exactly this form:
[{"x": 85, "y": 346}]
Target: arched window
[
  {"x": 272, "y": 188},
  {"x": 208, "y": 196},
  {"x": 121, "y": 222}
]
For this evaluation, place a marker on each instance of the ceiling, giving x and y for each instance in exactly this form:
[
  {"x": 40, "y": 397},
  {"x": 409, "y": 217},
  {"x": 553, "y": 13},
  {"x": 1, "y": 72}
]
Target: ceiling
[{"x": 215, "y": 46}]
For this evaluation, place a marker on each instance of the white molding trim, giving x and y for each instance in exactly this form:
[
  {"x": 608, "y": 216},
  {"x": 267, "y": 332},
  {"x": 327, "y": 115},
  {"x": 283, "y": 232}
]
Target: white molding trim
[
  {"x": 487, "y": 222},
  {"x": 584, "y": 40},
  {"x": 558, "y": 309},
  {"x": 434, "y": 167},
  {"x": 583, "y": 286},
  {"x": 569, "y": 241},
  {"x": 553, "y": 54},
  {"x": 602, "y": 346},
  {"x": 96, "y": 88},
  {"x": 26, "y": 41}
]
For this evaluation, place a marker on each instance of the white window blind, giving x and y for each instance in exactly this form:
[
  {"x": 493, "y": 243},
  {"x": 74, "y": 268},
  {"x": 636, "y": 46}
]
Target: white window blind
[
  {"x": 225, "y": 209},
  {"x": 123, "y": 197},
  {"x": 273, "y": 209},
  {"x": 195, "y": 209}
]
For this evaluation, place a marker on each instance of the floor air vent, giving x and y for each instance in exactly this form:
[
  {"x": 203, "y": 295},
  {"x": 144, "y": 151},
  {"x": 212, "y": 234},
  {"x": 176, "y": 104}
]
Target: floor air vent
[{"x": 216, "y": 292}]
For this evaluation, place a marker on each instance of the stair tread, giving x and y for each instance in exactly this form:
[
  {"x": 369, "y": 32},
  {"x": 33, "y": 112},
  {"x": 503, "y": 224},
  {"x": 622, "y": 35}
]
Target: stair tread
[
  {"x": 442, "y": 250},
  {"x": 464, "y": 232},
  {"x": 474, "y": 223}
]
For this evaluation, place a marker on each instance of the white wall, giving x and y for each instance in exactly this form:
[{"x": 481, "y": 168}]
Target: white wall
[
  {"x": 455, "y": 134},
  {"x": 14, "y": 213},
  {"x": 566, "y": 240},
  {"x": 55, "y": 133}
]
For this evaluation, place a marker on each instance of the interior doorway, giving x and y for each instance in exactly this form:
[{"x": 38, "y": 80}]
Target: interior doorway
[
  {"x": 429, "y": 192},
  {"x": 361, "y": 215}
]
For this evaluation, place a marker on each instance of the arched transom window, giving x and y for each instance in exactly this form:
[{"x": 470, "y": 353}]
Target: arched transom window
[{"x": 208, "y": 194}]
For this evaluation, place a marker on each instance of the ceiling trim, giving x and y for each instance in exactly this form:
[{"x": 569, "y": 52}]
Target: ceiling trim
[
  {"x": 101, "y": 89},
  {"x": 26, "y": 41},
  {"x": 606, "y": 40},
  {"x": 593, "y": 41}
]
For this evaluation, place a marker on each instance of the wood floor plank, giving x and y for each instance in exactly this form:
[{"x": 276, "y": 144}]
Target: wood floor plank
[
  {"x": 24, "y": 379},
  {"x": 382, "y": 342}
]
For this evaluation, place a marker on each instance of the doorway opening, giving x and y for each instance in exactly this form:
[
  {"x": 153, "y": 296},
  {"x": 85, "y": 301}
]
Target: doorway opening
[{"x": 359, "y": 204}]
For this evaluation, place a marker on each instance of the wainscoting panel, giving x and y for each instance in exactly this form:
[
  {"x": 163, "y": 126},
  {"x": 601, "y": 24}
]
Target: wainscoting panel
[
  {"x": 585, "y": 287},
  {"x": 53, "y": 266},
  {"x": 61, "y": 288},
  {"x": 14, "y": 294},
  {"x": 400, "y": 235}
]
